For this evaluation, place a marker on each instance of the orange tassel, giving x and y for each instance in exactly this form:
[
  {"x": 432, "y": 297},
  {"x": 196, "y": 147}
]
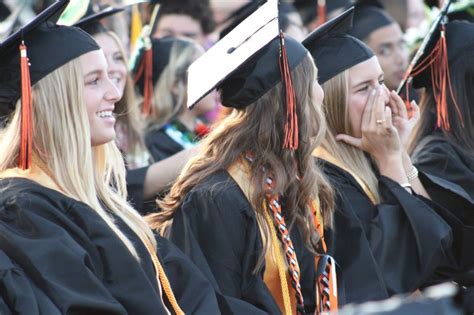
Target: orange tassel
[
  {"x": 146, "y": 70},
  {"x": 440, "y": 80},
  {"x": 291, "y": 124},
  {"x": 25, "y": 156},
  {"x": 321, "y": 12}
]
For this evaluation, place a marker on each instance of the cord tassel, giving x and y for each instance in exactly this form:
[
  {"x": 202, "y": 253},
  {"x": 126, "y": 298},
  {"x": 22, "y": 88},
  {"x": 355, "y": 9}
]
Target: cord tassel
[
  {"x": 440, "y": 80},
  {"x": 321, "y": 12},
  {"x": 25, "y": 155},
  {"x": 291, "y": 124}
]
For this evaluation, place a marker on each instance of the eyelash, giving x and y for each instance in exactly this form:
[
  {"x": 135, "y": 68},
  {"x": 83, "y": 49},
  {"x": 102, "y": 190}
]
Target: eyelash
[
  {"x": 93, "y": 82},
  {"x": 381, "y": 82}
]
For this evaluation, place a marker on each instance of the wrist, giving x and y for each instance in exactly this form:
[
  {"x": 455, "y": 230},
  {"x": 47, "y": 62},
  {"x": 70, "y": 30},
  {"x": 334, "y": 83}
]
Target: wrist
[{"x": 406, "y": 160}]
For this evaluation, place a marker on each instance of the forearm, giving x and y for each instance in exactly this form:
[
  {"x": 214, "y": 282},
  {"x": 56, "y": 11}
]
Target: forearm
[
  {"x": 392, "y": 167},
  {"x": 416, "y": 184},
  {"x": 162, "y": 174}
]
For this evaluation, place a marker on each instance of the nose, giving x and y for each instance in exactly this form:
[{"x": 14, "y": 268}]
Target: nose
[{"x": 112, "y": 94}]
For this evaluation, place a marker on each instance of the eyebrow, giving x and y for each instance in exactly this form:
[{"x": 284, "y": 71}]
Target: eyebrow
[
  {"x": 92, "y": 72},
  {"x": 367, "y": 81}
]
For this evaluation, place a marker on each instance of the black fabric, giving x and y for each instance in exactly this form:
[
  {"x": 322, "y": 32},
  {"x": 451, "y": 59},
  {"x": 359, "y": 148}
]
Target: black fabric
[
  {"x": 217, "y": 229},
  {"x": 334, "y": 51},
  {"x": 369, "y": 17},
  {"x": 90, "y": 22},
  {"x": 49, "y": 46},
  {"x": 135, "y": 181},
  {"x": 259, "y": 74},
  {"x": 434, "y": 155},
  {"x": 59, "y": 257},
  {"x": 390, "y": 248},
  {"x": 160, "y": 145},
  {"x": 460, "y": 42},
  {"x": 161, "y": 49}
]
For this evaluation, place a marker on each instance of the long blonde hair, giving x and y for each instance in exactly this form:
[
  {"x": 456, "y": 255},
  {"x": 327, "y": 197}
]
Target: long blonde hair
[
  {"x": 336, "y": 110},
  {"x": 129, "y": 119},
  {"x": 170, "y": 92},
  {"x": 263, "y": 122},
  {"x": 61, "y": 142}
]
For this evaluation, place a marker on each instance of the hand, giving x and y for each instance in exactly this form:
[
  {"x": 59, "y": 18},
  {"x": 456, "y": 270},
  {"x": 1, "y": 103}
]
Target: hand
[
  {"x": 400, "y": 117},
  {"x": 379, "y": 137}
]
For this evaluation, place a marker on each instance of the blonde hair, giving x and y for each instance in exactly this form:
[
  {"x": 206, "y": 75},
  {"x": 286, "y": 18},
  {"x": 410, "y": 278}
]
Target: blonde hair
[
  {"x": 62, "y": 142},
  {"x": 263, "y": 121},
  {"x": 129, "y": 119},
  {"x": 336, "y": 110},
  {"x": 169, "y": 94}
]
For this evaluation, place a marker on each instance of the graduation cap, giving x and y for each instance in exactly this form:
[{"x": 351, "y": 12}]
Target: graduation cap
[
  {"x": 161, "y": 52},
  {"x": 430, "y": 65},
  {"x": 369, "y": 16},
  {"x": 247, "y": 63},
  {"x": 49, "y": 47},
  {"x": 239, "y": 15},
  {"x": 333, "y": 50}
]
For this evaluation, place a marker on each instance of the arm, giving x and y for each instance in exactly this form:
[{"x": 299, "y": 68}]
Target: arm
[{"x": 161, "y": 175}]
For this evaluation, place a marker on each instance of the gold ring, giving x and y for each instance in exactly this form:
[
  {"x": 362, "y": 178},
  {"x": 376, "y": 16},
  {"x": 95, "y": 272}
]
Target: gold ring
[{"x": 380, "y": 121}]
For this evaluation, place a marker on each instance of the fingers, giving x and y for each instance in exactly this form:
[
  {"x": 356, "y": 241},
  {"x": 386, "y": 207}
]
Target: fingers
[
  {"x": 378, "y": 109},
  {"x": 415, "y": 112},
  {"x": 398, "y": 105},
  {"x": 366, "y": 116},
  {"x": 355, "y": 142},
  {"x": 387, "y": 124}
]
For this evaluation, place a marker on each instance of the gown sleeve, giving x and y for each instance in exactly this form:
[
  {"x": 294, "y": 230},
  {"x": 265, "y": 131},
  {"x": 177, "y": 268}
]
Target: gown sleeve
[
  {"x": 384, "y": 249},
  {"x": 216, "y": 230}
]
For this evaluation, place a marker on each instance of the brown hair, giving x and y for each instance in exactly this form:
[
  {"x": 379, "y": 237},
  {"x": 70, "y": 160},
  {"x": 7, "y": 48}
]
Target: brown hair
[
  {"x": 264, "y": 122},
  {"x": 336, "y": 103}
]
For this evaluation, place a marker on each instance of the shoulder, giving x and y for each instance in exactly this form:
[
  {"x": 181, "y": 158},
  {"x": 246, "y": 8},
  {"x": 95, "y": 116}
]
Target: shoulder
[
  {"x": 218, "y": 192},
  {"x": 25, "y": 192}
]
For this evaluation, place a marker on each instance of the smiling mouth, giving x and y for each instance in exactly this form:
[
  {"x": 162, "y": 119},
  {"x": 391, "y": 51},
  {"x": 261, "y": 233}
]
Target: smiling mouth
[{"x": 105, "y": 114}]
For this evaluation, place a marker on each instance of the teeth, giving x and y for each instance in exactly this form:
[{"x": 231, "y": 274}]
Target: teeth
[{"x": 105, "y": 114}]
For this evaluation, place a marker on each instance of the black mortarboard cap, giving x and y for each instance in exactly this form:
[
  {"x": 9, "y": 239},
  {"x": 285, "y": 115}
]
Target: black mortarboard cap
[
  {"x": 459, "y": 39},
  {"x": 49, "y": 46},
  {"x": 27, "y": 56},
  {"x": 333, "y": 49},
  {"x": 369, "y": 16},
  {"x": 239, "y": 15},
  {"x": 252, "y": 59},
  {"x": 244, "y": 64},
  {"x": 91, "y": 21},
  {"x": 161, "y": 50}
]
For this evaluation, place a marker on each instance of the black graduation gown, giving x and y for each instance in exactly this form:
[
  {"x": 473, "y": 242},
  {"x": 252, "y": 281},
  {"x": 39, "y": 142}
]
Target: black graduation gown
[
  {"x": 447, "y": 173},
  {"x": 135, "y": 187},
  {"x": 57, "y": 256},
  {"x": 382, "y": 250},
  {"x": 217, "y": 228},
  {"x": 160, "y": 145}
]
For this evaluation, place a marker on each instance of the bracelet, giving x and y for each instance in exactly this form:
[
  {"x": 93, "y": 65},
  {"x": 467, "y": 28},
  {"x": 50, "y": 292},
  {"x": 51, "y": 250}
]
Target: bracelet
[{"x": 412, "y": 174}]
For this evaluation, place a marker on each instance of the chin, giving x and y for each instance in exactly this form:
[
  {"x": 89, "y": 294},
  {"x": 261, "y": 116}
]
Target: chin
[{"x": 102, "y": 139}]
